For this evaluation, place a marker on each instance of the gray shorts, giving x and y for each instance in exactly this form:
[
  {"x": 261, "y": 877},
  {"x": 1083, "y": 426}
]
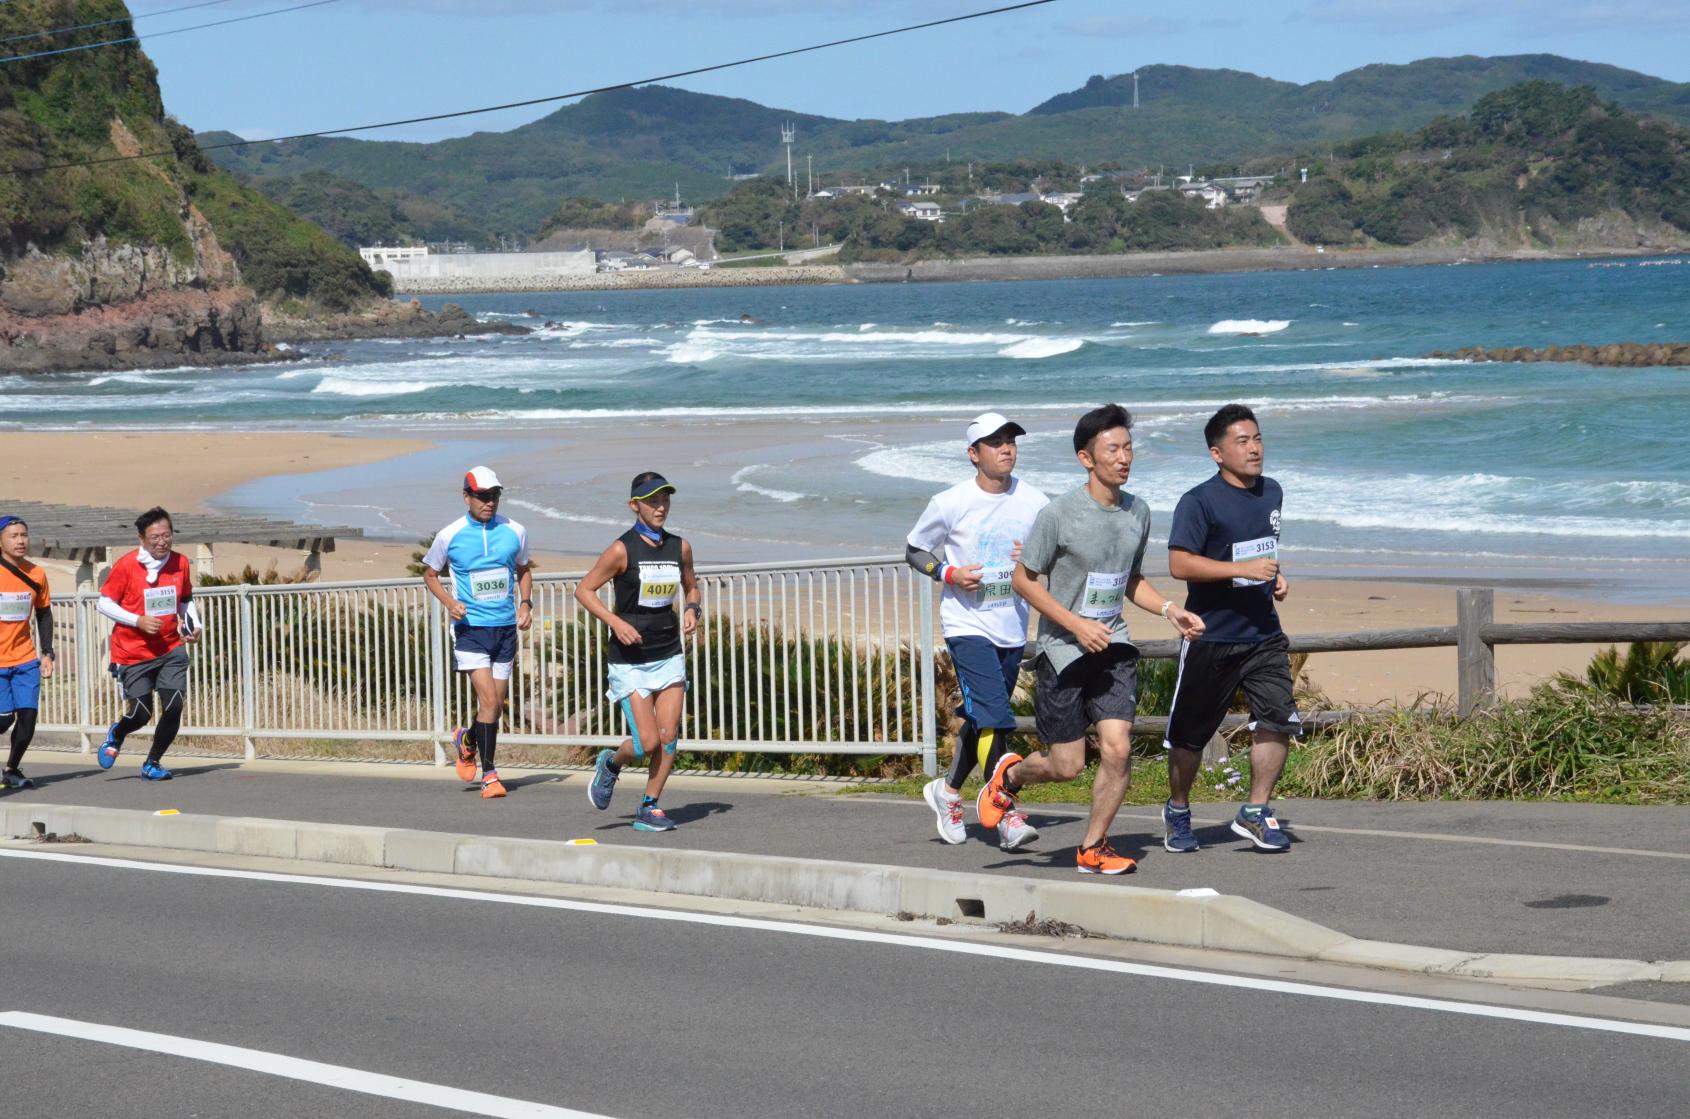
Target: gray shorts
[
  {"x": 168, "y": 673},
  {"x": 1096, "y": 687}
]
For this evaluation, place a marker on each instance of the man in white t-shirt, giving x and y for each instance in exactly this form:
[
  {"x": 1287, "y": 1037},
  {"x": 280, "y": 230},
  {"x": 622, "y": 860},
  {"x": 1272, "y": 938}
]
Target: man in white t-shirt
[{"x": 968, "y": 539}]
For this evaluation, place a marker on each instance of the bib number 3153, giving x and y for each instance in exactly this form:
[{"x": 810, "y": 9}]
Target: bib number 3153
[{"x": 1267, "y": 547}]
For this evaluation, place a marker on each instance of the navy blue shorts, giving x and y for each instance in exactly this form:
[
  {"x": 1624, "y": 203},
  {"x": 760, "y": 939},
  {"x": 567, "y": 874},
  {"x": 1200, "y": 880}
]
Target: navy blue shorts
[
  {"x": 986, "y": 674},
  {"x": 491, "y": 647}
]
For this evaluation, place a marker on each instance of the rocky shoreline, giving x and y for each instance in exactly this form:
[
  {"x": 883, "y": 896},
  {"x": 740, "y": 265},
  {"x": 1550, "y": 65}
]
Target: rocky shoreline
[
  {"x": 1627, "y": 355},
  {"x": 384, "y": 320}
]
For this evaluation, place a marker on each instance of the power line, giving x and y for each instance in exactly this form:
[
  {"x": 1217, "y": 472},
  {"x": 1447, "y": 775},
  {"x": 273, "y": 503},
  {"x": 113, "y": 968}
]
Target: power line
[
  {"x": 160, "y": 34},
  {"x": 548, "y": 100},
  {"x": 108, "y": 22}
]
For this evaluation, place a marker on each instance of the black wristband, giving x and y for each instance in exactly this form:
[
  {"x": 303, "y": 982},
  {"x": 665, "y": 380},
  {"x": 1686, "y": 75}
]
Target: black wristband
[
  {"x": 695, "y": 606},
  {"x": 528, "y": 602}
]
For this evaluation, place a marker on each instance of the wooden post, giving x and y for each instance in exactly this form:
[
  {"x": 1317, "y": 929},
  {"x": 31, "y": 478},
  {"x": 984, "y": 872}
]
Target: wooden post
[{"x": 1474, "y": 608}]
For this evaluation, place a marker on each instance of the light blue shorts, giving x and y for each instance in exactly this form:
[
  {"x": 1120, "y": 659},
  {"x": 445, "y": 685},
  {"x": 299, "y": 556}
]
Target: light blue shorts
[{"x": 646, "y": 679}]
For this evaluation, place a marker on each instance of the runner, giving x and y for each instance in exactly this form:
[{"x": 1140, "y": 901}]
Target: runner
[
  {"x": 23, "y": 595},
  {"x": 150, "y": 596},
  {"x": 492, "y": 582},
  {"x": 1225, "y": 545},
  {"x": 968, "y": 539},
  {"x": 1089, "y": 544},
  {"x": 649, "y": 568}
]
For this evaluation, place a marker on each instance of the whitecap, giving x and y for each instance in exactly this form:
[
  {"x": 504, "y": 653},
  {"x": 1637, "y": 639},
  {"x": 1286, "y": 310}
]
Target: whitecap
[
  {"x": 743, "y": 485},
  {"x": 349, "y": 386},
  {"x": 1042, "y": 347},
  {"x": 1249, "y": 326}
]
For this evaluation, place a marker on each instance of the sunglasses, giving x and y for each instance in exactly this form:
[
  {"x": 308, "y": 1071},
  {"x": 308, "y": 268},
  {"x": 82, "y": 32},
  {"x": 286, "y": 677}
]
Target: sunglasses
[{"x": 485, "y": 495}]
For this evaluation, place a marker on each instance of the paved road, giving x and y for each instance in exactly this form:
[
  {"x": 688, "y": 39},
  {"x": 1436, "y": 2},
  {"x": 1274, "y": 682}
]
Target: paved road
[
  {"x": 617, "y": 1014},
  {"x": 1584, "y": 880}
]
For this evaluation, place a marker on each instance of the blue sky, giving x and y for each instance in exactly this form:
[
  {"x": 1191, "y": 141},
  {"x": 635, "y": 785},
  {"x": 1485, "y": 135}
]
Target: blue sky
[{"x": 356, "y": 61}]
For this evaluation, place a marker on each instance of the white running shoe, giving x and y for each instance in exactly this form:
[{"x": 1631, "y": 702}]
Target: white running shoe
[
  {"x": 948, "y": 811},
  {"x": 1014, "y": 831}
]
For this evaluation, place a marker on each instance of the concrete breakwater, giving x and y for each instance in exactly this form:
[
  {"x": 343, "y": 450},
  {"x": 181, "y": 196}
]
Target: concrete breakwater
[
  {"x": 1632, "y": 355},
  {"x": 628, "y": 281}
]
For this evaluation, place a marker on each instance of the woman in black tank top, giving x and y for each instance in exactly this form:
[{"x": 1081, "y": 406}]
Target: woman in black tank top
[{"x": 650, "y": 572}]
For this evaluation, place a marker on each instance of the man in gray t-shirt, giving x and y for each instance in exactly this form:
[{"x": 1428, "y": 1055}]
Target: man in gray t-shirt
[{"x": 1089, "y": 545}]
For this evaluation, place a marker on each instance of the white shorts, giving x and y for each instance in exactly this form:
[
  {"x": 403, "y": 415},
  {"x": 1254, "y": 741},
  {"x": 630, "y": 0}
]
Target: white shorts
[
  {"x": 468, "y": 661},
  {"x": 646, "y": 679}
]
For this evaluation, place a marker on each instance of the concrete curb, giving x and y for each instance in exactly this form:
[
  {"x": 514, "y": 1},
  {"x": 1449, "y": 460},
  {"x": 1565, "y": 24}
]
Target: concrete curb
[{"x": 1154, "y": 916}]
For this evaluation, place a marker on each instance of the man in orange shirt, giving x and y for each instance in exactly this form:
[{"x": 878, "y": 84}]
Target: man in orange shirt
[
  {"x": 150, "y": 596},
  {"x": 23, "y": 595}
]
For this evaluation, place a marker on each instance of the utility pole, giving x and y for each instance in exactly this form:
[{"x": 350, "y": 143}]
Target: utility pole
[
  {"x": 1135, "y": 89},
  {"x": 783, "y": 235},
  {"x": 810, "y": 176},
  {"x": 788, "y": 133}
]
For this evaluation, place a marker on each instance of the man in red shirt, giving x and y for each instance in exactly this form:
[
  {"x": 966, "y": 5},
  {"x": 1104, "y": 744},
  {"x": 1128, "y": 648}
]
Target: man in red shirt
[
  {"x": 23, "y": 596},
  {"x": 149, "y": 595}
]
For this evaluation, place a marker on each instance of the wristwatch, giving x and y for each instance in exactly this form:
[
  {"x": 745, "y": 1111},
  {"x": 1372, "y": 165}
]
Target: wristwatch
[{"x": 528, "y": 602}]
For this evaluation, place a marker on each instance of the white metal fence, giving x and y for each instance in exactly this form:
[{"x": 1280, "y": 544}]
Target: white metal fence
[{"x": 832, "y": 657}]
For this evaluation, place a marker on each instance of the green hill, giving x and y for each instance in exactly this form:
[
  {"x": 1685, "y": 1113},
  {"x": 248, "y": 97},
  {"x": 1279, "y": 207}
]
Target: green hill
[
  {"x": 168, "y": 222},
  {"x": 643, "y": 143}
]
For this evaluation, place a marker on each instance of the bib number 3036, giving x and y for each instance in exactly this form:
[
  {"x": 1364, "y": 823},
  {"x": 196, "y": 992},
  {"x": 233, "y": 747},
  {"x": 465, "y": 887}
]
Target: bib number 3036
[
  {"x": 490, "y": 586},
  {"x": 1105, "y": 592}
]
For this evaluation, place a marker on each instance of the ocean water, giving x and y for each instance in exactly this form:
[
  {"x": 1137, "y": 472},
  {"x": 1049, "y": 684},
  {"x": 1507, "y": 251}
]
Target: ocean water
[{"x": 819, "y": 426}]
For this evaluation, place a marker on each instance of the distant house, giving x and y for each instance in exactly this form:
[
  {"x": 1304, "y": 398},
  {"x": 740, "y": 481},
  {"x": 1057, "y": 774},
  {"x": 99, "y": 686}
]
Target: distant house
[
  {"x": 921, "y": 211},
  {"x": 823, "y": 194},
  {"x": 1062, "y": 200},
  {"x": 860, "y": 189},
  {"x": 381, "y": 256},
  {"x": 1213, "y": 197},
  {"x": 1009, "y": 199},
  {"x": 917, "y": 190},
  {"x": 615, "y": 260}
]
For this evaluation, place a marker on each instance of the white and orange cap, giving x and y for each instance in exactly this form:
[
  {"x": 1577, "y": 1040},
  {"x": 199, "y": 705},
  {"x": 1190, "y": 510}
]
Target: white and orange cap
[{"x": 481, "y": 478}]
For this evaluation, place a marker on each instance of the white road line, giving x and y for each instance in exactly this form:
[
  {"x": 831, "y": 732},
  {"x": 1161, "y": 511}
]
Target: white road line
[
  {"x": 316, "y": 1072},
  {"x": 901, "y": 940}
]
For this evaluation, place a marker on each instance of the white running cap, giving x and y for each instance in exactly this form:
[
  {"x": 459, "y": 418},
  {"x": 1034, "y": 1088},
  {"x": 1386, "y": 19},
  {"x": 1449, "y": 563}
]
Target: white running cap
[
  {"x": 481, "y": 478},
  {"x": 990, "y": 423}
]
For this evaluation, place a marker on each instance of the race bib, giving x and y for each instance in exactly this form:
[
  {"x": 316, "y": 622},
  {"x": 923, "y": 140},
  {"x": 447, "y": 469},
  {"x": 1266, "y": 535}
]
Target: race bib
[
  {"x": 14, "y": 606},
  {"x": 490, "y": 586},
  {"x": 159, "y": 602},
  {"x": 1254, "y": 549},
  {"x": 1105, "y": 592},
  {"x": 659, "y": 584},
  {"x": 997, "y": 588}
]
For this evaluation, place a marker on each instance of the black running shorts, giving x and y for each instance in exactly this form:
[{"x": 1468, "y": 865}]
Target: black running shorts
[
  {"x": 1096, "y": 687},
  {"x": 1211, "y": 673}
]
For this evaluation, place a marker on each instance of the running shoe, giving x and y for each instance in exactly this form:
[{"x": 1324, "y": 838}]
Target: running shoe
[
  {"x": 1014, "y": 831},
  {"x": 651, "y": 818},
  {"x": 12, "y": 779},
  {"x": 1262, "y": 830},
  {"x": 604, "y": 780},
  {"x": 1101, "y": 859},
  {"x": 108, "y": 750},
  {"x": 152, "y": 771},
  {"x": 948, "y": 811},
  {"x": 466, "y": 756},
  {"x": 993, "y": 801},
  {"x": 491, "y": 786},
  {"x": 1176, "y": 829}
]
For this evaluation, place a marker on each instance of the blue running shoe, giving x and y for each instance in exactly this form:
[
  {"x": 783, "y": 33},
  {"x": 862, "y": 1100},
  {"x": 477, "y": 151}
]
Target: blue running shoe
[
  {"x": 107, "y": 753},
  {"x": 152, "y": 771},
  {"x": 651, "y": 818},
  {"x": 1262, "y": 830},
  {"x": 604, "y": 780},
  {"x": 1176, "y": 829},
  {"x": 12, "y": 779}
]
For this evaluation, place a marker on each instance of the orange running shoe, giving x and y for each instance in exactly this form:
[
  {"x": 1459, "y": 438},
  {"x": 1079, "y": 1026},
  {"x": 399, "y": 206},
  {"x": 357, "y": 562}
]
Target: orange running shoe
[
  {"x": 1102, "y": 859},
  {"x": 466, "y": 756},
  {"x": 993, "y": 802},
  {"x": 491, "y": 787}
]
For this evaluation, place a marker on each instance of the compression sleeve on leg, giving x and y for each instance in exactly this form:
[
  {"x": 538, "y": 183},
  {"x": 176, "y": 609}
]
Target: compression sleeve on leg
[
  {"x": 169, "y": 722},
  {"x": 22, "y": 732},
  {"x": 487, "y": 741}
]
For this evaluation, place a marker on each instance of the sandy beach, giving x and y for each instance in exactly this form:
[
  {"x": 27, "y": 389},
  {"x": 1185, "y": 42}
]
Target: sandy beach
[{"x": 185, "y": 471}]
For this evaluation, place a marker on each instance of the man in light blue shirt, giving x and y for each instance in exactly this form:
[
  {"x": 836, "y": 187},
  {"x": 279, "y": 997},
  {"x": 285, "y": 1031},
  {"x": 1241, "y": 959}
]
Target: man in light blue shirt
[{"x": 492, "y": 581}]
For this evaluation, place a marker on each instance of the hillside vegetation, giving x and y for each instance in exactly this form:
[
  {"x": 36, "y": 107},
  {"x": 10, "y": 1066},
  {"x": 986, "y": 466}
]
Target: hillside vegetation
[
  {"x": 98, "y": 104},
  {"x": 1536, "y": 163},
  {"x": 643, "y": 143}
]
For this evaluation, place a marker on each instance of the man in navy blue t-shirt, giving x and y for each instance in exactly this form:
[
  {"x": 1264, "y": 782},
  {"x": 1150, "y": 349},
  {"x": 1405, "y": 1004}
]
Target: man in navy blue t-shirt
[{"x": 1225, "y": 545}]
